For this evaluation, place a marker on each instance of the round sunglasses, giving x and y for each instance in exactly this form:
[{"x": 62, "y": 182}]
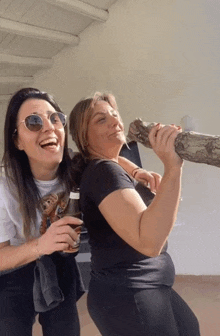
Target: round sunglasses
[{"x": 34, "y": 122}]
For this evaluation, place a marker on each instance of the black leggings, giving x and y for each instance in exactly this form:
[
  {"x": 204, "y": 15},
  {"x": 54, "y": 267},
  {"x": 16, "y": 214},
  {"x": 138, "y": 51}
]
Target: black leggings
[
  {"x": 117, "y": 311},
  {"x": 17, "y": 314}
]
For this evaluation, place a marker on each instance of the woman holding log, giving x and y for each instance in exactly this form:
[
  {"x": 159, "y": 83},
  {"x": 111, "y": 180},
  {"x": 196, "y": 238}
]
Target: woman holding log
[
  {"x": 37, "y": 175},
  {"x": 130, "y": 291}
]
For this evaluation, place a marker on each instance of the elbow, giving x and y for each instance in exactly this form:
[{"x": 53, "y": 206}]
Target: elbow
[
  {"x": 2, "y": 267},
  {"x": 151, "y": 249},
  {"x": 153, "y": 253}
]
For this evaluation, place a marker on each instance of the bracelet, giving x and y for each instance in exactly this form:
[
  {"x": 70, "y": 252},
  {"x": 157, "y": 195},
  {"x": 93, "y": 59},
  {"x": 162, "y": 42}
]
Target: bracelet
[{"x": 134, "y": 171}]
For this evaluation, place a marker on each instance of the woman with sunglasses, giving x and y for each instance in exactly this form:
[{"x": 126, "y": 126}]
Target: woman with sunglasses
[
  {"x": 130, "y": 291},
  {"x": 36, "y": 170},
  {"x": 36, "y": 167}
]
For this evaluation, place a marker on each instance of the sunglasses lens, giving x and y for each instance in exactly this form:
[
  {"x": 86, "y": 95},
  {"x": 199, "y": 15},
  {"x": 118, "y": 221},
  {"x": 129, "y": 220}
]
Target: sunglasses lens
[
  {"x": 58, "y": 119},
  {"x": 34, "y": 123}
]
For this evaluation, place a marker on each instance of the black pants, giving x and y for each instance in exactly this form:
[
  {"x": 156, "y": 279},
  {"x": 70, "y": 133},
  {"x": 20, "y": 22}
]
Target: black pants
[
  {"x": 17, "y": 314},
  {"x": 119, "y": 311}
]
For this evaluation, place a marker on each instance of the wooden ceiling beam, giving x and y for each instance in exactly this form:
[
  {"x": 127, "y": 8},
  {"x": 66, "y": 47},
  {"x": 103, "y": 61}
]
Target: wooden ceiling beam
[
  {"x": 4, "y": 98},
  {"x": 82, "y": 8},
  {"x": 26, "y": 61},
  {"x": 16, "y": 80},
  {"x": 24, "y": 29}
]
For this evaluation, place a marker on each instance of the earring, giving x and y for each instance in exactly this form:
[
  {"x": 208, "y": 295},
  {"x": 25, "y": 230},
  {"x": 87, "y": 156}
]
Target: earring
[{"x": 18, "y": 146}]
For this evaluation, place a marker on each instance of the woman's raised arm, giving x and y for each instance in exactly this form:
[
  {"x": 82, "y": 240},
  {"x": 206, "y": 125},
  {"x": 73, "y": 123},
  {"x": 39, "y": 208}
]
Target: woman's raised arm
[{"x": 147, "y": 229}]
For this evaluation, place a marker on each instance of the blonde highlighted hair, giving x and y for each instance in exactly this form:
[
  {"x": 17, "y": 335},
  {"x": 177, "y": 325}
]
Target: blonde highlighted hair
[{"x": 80, "y": 117}]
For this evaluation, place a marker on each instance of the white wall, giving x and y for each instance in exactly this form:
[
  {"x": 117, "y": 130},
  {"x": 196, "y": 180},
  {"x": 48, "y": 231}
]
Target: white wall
[
  {"x": 161, "y": 60},
  {"x": 3, "y": 107}
]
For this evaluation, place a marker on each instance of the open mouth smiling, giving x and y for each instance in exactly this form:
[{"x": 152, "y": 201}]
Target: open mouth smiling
[{"x": 49, "y": 143}]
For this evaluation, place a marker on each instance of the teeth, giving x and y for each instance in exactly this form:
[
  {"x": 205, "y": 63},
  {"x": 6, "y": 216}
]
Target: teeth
[{"x": 52, "y": 141}]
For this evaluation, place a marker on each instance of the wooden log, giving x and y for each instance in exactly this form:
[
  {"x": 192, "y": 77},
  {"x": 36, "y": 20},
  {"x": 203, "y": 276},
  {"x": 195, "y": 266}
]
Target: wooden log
[{"x": 190, "y": 146}]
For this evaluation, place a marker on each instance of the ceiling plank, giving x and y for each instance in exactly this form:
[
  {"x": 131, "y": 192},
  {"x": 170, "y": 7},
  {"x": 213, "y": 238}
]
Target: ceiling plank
[
  {"x": 37, "y": 32},
  {"x": 82, "y": 8},
  {"x": 16, "y": 9},
  {"x": 28, "y": 61},
  {"x": 16, "y": 80},
  {"x": 4, "y": 98}
]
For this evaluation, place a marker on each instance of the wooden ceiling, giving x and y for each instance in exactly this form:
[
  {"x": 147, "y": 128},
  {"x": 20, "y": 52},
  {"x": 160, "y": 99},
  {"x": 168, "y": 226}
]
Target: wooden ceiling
[{"x": 32, "y": 32}]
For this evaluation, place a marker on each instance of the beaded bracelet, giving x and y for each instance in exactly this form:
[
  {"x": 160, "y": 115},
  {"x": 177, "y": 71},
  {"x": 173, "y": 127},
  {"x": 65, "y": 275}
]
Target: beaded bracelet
[{"x": 134, "y": 171}]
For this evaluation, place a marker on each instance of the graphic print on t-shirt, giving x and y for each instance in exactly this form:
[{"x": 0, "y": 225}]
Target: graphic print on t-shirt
[{"x": 54, "y": 206}]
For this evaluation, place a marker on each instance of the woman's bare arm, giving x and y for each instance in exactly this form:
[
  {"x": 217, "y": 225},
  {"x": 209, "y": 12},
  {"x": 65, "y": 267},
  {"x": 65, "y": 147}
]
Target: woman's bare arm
[
  {"x": 58, "y": 237},
  {"x": 15, "y": 256},
  {"x": 147, "y": 229},
  {"x": 140, "y": 174}
]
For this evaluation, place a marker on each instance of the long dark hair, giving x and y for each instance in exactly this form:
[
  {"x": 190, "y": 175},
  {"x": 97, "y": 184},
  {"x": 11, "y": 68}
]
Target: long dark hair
[{"x": 15, "y": 163}]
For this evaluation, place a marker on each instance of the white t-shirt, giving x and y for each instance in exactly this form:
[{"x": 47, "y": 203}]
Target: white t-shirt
[{"x": 11, "y": 223}]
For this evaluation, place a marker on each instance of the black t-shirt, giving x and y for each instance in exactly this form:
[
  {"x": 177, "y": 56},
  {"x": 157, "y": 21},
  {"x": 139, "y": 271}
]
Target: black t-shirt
[{"x": 113, "y": 260}]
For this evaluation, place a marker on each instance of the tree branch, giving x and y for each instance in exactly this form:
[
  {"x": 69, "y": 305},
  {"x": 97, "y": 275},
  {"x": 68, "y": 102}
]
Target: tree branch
[{"x": 190, "y": 146}]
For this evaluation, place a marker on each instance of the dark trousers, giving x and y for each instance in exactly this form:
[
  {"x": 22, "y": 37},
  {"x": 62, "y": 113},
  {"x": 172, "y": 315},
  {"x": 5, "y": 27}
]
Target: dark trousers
[
  {"x": 119, "y": 311},
  {"x": 17, "y": 314}
]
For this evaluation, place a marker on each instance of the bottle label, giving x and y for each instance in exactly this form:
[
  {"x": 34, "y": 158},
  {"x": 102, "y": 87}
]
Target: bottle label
[{"x": 74, "y": 195}]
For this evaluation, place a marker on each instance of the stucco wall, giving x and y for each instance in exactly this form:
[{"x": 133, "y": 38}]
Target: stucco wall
[
  {"x": 161, "y": 60},
  {"x": 3, "y": 107}
]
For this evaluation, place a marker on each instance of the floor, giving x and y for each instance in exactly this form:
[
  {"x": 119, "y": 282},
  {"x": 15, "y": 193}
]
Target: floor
[{"x": 202, "y": 293}]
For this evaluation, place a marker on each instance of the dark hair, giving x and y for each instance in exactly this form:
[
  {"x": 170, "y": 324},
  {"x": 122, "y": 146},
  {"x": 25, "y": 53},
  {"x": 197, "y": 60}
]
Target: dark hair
[
  {"x": 15, "y": 163},
  {"x": 80, "y": 116}
]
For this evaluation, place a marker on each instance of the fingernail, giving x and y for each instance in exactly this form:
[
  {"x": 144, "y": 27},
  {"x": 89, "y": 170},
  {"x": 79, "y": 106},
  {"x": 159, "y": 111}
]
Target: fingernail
[{"x": 76, "y": 243}]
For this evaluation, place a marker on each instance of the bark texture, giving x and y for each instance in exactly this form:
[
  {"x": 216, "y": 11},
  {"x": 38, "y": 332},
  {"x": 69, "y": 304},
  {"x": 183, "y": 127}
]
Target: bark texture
[{"x": 191, "y": 146}]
